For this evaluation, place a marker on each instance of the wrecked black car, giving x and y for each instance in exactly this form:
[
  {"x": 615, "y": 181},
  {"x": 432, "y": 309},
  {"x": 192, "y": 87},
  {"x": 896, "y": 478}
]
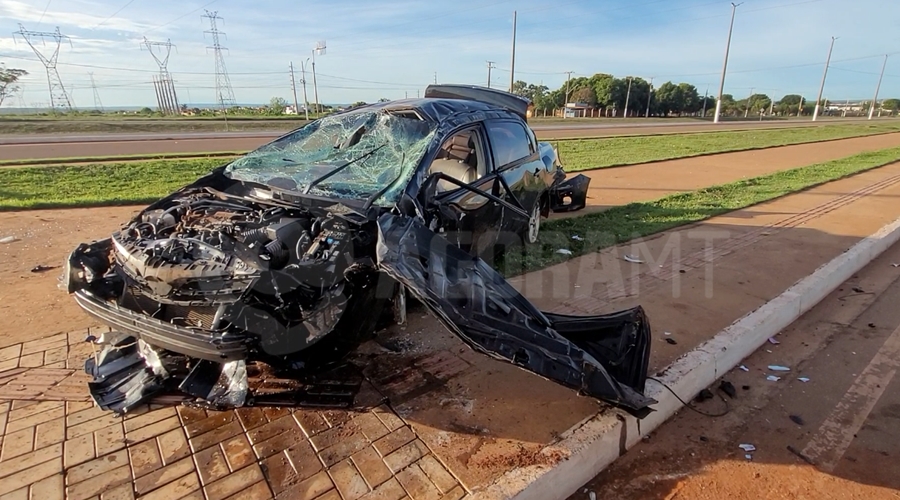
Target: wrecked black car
[{"x": 289, "y": 255}]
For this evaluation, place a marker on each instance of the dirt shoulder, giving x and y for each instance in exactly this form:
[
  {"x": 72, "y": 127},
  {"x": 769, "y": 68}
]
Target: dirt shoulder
[
  {"x": 649, "y": 181},
  {"x": 846, "y": 347}
]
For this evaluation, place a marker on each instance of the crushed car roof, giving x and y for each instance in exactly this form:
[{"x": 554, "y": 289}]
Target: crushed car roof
[{"x": 440, "y": 109}]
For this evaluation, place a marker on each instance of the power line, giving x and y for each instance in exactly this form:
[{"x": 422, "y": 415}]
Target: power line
[
  {"x": 129, "y": 2},
  {"x": 179, "y": 18},
  {"x": 47, "y": 6}
]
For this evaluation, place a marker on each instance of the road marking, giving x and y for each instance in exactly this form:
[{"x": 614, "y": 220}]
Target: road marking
[{"x": 837, "y": 432}]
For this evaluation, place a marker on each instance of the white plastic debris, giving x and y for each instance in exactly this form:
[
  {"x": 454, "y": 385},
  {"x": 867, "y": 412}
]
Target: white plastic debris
[
  {"x": 592, "y": 495},
  {"x": 667, "y": 333},
  {"x": 894, "y": 264},
  {"x": 744, "y": 368},
  {"x": 577, "y": 238},
  {"x": 773, "y": 341},
  {"x": 8, "y": 239},
  {"x": 803, "y": 379},
  {"x": 773, "y": 378},
  {"x": 779, "y": 368},
  {"x": 632, "y": 259},
  {"x": 747, "y": 447},
  {"x": 564, "y": 251},
  {"x": 748, "y": 456}
]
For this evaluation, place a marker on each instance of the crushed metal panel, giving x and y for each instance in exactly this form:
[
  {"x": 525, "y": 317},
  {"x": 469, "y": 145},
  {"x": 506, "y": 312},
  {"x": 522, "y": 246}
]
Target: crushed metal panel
[{"x": 474, "y": 301}]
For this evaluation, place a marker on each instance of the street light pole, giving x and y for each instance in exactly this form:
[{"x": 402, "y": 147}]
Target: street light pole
[
  {"x": 320, "y": 48},
  {"x": 649, "y": 99},
  {"x": 877, "y": 88},
  {"x": 734, "y": 7},
  {"x": 490, "y": 65},
  {"x": 512, "y": 63},
  {"x": 566, "y": 100},
  {"x": 824, "y": 75}
]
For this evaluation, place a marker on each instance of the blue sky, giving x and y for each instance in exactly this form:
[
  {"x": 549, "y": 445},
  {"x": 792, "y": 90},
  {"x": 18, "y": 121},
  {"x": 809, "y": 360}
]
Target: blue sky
[{"x": 393, "y": 48}]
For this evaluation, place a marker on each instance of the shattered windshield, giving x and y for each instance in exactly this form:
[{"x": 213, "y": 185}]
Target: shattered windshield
[{"x": 350, "y": 155}]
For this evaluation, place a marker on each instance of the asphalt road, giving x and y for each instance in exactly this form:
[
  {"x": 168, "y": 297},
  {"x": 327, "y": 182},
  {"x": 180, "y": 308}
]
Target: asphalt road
[{"x": 14, "y": 147}]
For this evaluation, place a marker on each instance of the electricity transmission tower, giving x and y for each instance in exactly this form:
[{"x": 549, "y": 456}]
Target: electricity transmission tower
[
  {"x": 224, "y": 93},
  {"x": 97, "y": 103},
  {"x": 166, "y": 98},
  {"x": 58, "y": 96}
]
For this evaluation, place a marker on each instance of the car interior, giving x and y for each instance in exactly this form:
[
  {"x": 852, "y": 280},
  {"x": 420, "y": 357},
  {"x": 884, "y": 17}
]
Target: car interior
[{"x": 461, "y": 158}]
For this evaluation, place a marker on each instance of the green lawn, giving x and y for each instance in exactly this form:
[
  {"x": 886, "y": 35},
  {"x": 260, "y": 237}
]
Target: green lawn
[
  {"x": 100, "y": 184},
  {"x": 623, "y": 223},
  {"x": 584, "y": 154}
]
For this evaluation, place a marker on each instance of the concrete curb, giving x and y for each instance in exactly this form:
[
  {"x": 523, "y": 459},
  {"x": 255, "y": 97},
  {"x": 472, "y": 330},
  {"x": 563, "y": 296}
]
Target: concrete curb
[{"x": 596, "y": 442}]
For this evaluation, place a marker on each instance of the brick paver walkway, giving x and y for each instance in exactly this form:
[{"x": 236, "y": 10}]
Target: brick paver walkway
[{"x": 56, "y": 444}]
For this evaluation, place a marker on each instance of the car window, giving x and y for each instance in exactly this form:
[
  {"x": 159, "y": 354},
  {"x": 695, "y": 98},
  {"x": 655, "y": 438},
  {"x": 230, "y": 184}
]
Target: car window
[{"x": 509, "y": 142}]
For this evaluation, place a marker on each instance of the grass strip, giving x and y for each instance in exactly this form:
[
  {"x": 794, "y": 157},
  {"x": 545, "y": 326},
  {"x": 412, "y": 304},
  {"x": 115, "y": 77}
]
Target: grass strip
[
  {"x": 585, "y": 154},
  {"x": 624, "y": 223},
  {"x": 52, "y": 162},
  {"x": 97, "y": 184}
]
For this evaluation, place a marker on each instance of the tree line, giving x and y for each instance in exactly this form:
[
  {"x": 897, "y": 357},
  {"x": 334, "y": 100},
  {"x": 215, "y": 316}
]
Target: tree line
[{"x": 607, "y": 95}]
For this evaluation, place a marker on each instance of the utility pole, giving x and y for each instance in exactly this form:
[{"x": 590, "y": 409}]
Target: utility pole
[
  {"x": 303, "y": 81},
  {"x": 294, "y": 90},
  {"x": 566, "y": 100},
  {"x": 320, "y": 49},
  {"x": 58, "y": 96},
  {"x": 825, "y": 74},
  {"x": 165, "y": 87},
  {"x": 705, "y": 97},
  {"x": 749, "y": 99},
  {"x": 649, "y": 99},
  {"x": 877, "y": 88},
  {"x": 734, "y": 7},
  {"x": 435, "y": 77},
  {"x": 98, "y": 105},
  {"x": 627, "y": 98},
  {"x": 490, "y": 65},
  {"x": 224, "y": 93},
  {"x": 512, "y": 64}
]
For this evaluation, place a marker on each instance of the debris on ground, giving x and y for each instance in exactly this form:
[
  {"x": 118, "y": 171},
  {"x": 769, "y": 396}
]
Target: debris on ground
[
  {"x": 744, "y": 368},
  {"x": 800, "y": 454},
  {"x": 704, "y": 439},
  {"x": 577, "y": 238},
  {"x": 747, "y": 447},
  {"x": 773, "y": 378},
  {"x": 871, "y": 325},
  {"x": 632, "y": 259},
  {"x": 797, "y": 419},
  {"x": 745, "y": 387},
  {"x": 773, "y": 341},
  {"x": 592, "y": 495},
  {"x": 704, "y": 395},
  {"x": 728, "y": 388},
  {"x": 779, "y": 368},
  {"x": 894, "y": 264},
  {"x": 858, "y": 290},
  {"x": 671, "y": 341},
  {"x": 564, "y": 251},
  {"x": 667, "y": 333},
  {"x": 40, "y": 268},
  {"x": 748, "y": 456},
  {"x": 8, "y": 239},
  {"x": 803, "y": 379}
]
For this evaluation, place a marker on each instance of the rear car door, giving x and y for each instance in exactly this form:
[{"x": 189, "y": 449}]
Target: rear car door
[{"x": 517, "y": 161}]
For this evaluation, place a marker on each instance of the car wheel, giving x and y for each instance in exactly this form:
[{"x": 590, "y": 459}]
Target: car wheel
[{"x": 534, "y": 224}]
